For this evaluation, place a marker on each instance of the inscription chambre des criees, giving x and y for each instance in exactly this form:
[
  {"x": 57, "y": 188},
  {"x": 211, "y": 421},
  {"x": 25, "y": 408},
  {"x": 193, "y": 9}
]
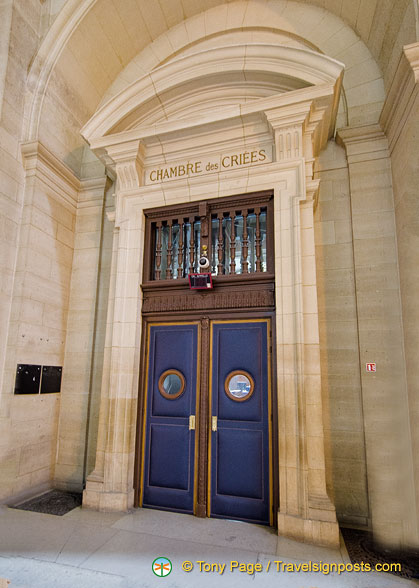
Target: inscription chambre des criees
[{"x": 207, "y": 165}]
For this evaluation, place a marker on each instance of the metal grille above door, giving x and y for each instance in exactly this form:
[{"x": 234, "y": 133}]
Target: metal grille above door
[{"x": 235, "y": 234}]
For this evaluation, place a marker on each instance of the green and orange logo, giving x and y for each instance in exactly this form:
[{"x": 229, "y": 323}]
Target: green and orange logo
[{"x": 161, "y": 566}]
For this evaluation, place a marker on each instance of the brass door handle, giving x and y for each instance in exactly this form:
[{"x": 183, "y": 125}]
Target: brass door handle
[
  {"x": 214, "y": 423},
  {"x": 192, "y": 422}
]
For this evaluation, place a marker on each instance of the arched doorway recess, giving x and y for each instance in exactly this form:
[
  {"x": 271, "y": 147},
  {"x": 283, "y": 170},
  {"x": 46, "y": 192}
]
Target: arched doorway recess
[{"x": 166, "y": 151}]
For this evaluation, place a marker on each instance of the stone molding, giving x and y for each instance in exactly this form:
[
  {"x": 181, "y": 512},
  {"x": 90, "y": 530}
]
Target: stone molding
[
  {"x": 39, "y": 162},
  {"x": 402, "y": 94},
  {"x": 322, "y": 98},
  {"x": 307, "y": 65},
  {"x": 303, "y": 118}
]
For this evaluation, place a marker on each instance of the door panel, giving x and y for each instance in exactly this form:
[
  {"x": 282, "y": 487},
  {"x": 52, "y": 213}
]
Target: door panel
[
  {"x": 239, "y": 465},
  {"x": 238, "y": 457},
  {"x": 169, "y": 453},
  {"x": 232, "y": 447},
  {"x": 167, "y": 447}
]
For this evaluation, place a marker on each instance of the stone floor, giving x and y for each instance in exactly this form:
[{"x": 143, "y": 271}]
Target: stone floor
[{"x": 85, "y": 549}]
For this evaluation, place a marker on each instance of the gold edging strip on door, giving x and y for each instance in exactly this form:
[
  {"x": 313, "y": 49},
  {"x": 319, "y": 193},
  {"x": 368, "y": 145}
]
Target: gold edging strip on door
[
  {"x": 144, "y": 418},
  {"x": 144, "y": 423},
  {"x": 268, "y": 342},
  {"x": 197, "y": 398},
  {"x": 261, "y": 320},
  {"x": 209, "y": 419}
]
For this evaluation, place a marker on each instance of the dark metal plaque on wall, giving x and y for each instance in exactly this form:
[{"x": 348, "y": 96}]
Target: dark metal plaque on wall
[
  {"x": 51, "y": 379},
  {"x": 27, "y": 379}
]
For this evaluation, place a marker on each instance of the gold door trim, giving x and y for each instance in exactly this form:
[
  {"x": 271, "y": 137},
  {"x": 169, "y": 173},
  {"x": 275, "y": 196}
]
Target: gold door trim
[
  {"x": 197, "y": 398},
  {"x": 210, "y": 429}
]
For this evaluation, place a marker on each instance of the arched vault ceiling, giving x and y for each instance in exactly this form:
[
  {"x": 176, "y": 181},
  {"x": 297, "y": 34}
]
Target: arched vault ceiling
[
  {"x": 377, "y": 22},
  {"x": 92, "y": 41},
  {"x": 131, "y": 24}
]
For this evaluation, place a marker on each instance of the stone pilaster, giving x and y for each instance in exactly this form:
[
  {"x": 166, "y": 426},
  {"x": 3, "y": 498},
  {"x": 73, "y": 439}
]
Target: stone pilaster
[
  {"x": 400, "y": 121},
  {"x": 110, "y": 486},
  {"x": 306, "y": 512},
  {"x": 384, "y": 395},
  {"x": 80, "y": 345}
]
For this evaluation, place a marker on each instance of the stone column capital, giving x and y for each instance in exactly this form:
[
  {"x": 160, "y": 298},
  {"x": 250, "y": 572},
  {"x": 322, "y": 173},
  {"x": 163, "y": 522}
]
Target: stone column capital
[
  {"x": 302, "y": 129},
  {"x": 411, "y": 53},
  {"x": 128, "y": 158},
  {"x": 291, "y": 116},
  {"x": 363, "y": 143},
  {"x": 287, "y": 123},
  {"x": 402, "y": 95}
]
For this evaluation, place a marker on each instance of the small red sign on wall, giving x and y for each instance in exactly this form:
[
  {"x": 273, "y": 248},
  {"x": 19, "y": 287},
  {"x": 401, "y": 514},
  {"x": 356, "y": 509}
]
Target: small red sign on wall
[{"x": 371, "y": 367}]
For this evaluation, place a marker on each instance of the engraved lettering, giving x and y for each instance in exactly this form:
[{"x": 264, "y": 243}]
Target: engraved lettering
[{"x": 198, "y": 167}]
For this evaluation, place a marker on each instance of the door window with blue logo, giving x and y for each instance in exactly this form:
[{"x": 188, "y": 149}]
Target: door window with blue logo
[{"x": 239, "y": 385}]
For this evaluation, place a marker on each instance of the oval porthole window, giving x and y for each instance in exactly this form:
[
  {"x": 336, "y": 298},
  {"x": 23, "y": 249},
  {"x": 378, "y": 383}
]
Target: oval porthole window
[
  {"x": 171, "y": 384},
  {"x": 239, "y": 385}
]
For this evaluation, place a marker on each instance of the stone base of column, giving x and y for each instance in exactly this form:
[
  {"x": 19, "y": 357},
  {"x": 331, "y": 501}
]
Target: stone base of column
[
  {"x": 324, "y": 533},
  {"x": 95, "y": 498}
]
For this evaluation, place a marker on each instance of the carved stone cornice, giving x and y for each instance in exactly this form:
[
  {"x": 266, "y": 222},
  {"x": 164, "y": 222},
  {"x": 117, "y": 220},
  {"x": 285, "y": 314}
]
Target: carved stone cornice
[
  {"x": 39, "y": 162},
  {"x": 315, "y": 69}
]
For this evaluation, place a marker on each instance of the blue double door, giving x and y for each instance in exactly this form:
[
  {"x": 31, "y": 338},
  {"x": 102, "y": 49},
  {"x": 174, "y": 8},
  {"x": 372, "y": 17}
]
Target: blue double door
[{"x": 232, "y": 435}]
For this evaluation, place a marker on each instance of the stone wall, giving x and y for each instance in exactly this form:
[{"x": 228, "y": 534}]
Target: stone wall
[
  {"x": 384, "y": 393},
  {"x": 401, "y": 121},
  {"x": 37, "y": 329},
  {"x": 341, "y": 382},
  {"x": 18, "y": 42}
]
